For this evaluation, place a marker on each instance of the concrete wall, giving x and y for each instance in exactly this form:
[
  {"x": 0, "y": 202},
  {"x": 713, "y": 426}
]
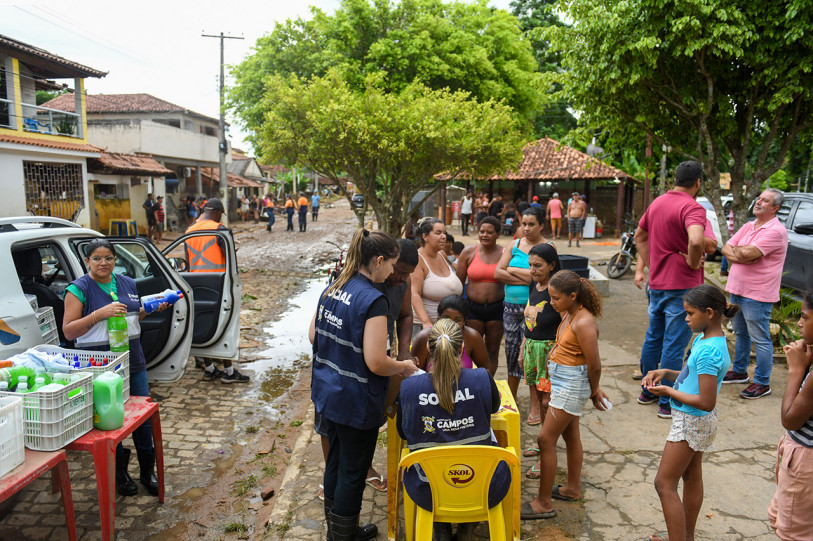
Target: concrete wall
[{"x": 153, "y": 138}]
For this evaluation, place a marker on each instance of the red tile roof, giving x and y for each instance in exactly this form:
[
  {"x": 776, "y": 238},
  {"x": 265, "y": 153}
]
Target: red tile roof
[
  {"x": 234, "y": 181},
  {"x": 114, "y": 162},
  {"x": 44, "y": 63},
  {"x": 274, "y": 170},
  {"x": 120, "y": 103},
  {"x": 47, "y": 143},
  {"x": 550, "y": 160}
]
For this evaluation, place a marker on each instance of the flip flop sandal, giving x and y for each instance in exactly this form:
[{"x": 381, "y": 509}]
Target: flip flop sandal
[
  {"x": 526, "y": 512},
  {"x": 377, "y": 482},
  {"x": 533, "y": 450},
  {"x": 534, "y": 472},
  {"x": 559, "y": 496},
  {"x": 533, "y": 421},
  {"x": 321, "y": 492},
  {"x": 637, "y": 375},
  {"x": 662, "y": 536}
]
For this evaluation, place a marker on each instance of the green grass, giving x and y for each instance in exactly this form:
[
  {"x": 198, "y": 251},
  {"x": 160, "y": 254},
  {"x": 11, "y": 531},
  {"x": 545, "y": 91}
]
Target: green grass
[
  {"x": 296, "y": 423},
  {"x": 236, "y": 527},
  {"x": 269, "y": 470},
  {"x": 251, "y": 429},
  {"x": 244, "y": 486}
]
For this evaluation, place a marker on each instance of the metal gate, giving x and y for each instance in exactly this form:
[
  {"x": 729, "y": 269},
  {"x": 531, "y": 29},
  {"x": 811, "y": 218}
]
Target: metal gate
[{"x": 54, "y": 189}]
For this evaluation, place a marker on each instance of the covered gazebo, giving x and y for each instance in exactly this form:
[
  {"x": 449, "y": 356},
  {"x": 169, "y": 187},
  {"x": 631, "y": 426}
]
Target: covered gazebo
[{"x": 551, "y": 166}]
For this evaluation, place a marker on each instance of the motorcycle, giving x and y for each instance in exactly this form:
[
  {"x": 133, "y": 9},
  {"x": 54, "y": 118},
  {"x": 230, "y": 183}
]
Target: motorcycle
[
  {"x": 620, "y": 263},
  {"x": 338, "y": 263}
]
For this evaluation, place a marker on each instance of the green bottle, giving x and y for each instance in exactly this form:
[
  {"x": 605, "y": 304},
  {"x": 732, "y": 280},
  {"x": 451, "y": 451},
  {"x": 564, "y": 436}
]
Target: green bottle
[
  {"x": 117, "y": 333},
  {"x": 108, "y": 401}
]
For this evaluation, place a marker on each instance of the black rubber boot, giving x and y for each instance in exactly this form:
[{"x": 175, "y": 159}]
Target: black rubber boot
[
  {"x": 364, "y": 532},
  {"x": 146, "y": 463},
  {"x": 344, "y": 528},
  {"x": 125, "y": 486},
  {"x": 442, "y": 531}
]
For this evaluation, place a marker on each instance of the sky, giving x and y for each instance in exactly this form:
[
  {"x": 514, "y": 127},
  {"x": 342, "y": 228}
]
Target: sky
[{"x": 155, "y": 47}]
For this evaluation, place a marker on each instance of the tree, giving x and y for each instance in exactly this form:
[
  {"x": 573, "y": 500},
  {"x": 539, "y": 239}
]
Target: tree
[
  {"x": 728, "y": 83},
  {"x": 391, "y": 144},
  {"x": 459, "y": 46}
]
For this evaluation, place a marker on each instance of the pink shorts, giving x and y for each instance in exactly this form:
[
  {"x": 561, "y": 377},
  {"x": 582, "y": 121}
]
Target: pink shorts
[{"x": 790, "y": 511}]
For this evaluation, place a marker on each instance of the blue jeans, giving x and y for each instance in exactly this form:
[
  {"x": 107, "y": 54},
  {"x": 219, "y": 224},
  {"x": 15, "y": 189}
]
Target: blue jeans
[
  {"x": 271, "y": 218},
  {"x": 667, "y": 336},
  {"x": 724, "y": 265},
  {"x": 142, "y": 436},
  {"x": 752, "y": 324}
]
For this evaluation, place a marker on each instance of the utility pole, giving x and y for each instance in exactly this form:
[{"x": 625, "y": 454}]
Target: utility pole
[{"x": 223, "y": 146}]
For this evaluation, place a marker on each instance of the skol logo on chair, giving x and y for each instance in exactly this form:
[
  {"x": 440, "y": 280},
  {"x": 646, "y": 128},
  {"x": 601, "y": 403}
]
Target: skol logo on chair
[{"x": 459, "y": 475}]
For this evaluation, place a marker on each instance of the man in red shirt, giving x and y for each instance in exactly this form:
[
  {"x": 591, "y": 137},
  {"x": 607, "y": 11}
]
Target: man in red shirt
[{"x": 670, "y": 242}]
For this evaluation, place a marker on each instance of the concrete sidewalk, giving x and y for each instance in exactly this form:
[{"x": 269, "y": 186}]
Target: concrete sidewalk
[{"x": 622, "y": 451}]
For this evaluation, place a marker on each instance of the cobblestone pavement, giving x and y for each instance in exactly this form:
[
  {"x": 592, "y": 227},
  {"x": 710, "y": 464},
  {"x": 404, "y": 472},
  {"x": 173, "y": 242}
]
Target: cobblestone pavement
[{"x": 622, "y": 451}]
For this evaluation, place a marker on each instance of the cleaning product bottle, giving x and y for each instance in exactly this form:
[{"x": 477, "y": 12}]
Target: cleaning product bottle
[
  {"x": 15, "y": 374},
  {"x": 117, "y": 333},
  {"x": 108, "y": 401},
  {"x": 152, "y": 302},
  {"x": 3, "y": 386},
  {"x": 39, "y": 372},
  {"x": 22, "y": 387},
  {"x": 39, "y": 383}
]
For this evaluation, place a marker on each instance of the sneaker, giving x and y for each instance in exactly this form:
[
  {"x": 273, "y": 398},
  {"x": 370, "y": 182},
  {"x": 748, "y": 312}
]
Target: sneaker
[
  {"x": 569, "y": 243},
  {"x": 647, "y": 398},
  {"x": 754, "y": 391},
  {"x": 665, "y": 412},
  {"x": 235, "y": 377},
  {"x": 735, "y": 377},
  {"x": 213, "y": 375}
]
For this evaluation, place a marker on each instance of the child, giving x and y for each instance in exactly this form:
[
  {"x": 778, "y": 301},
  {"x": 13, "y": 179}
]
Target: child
[
  {"x": 574, "y": 368},
  {"x": 694, "y": 417},
  {"x": 541, "y": 322},
  {"x": 790, "y": 511},
  {"x": 448, "y": 249}
]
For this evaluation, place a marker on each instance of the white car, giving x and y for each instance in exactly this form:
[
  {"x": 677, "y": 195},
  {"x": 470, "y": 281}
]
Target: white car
[
  {"x": 715, "y": 224},
  {"x": 43, "y": 255}
]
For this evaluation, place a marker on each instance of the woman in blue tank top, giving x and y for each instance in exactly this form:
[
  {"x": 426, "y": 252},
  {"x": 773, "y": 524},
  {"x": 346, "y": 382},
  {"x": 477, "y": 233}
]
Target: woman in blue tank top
[
  {"x": 512, "y": 270},
  {"x": 89, "y": 301}
]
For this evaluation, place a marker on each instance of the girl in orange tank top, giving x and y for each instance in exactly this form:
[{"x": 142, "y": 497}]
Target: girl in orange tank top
[{"x": 574, "y": 369}]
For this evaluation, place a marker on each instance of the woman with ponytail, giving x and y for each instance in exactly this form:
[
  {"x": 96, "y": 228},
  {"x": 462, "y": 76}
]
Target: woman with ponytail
[
  {"x": 350, "y": 376},
  {"x": 449, "y": 396}
]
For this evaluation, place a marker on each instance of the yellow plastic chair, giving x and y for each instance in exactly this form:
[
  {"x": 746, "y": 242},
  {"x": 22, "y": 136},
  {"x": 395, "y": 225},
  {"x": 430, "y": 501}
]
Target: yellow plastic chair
[{"x": 459, "y": 476}]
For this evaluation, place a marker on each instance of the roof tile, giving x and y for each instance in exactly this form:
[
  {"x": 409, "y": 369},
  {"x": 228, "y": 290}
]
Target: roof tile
[
  {"x": 128, "y": 163},
  {"x": 48, "y": 143}
]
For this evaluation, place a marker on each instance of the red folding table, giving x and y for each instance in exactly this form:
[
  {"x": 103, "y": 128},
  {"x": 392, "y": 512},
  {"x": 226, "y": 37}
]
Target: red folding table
[
  {"x": 36, "y": 463},
  {"x": 102, "y": 444}
]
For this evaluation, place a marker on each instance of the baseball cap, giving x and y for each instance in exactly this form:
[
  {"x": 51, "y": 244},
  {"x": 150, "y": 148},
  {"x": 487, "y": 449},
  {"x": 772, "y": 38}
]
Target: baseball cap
[
  {"x": 575, "y": 194},
  {"x": 536, "y": 198},
  {"x": 213, "y": 203}
]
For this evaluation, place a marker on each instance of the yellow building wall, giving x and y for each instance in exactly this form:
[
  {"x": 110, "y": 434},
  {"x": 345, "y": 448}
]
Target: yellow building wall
[{"x": 110, "y": 209}]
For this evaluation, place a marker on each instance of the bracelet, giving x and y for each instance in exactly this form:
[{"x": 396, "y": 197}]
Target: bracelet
[{"x": 93, "y": 317}]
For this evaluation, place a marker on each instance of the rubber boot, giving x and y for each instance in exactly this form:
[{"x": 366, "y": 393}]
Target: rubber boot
[
  {"x": 146, "y": 463},
  {"x": 364, "y": 532},
  {"x": 344, "y": 528},
  {"x": 125, "y": 486},
  {"x": 442, "y": 531}
]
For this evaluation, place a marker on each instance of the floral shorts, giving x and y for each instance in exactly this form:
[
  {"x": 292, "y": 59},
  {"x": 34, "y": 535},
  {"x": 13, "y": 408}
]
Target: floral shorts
[
  {"x": 535, "y": 363},
  {"x": 698, "y": 432}
]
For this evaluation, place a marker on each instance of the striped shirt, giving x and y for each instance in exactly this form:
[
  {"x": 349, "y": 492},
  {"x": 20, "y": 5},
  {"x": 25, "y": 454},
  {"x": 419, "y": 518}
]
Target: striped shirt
[{"x": 803, "y": 436}]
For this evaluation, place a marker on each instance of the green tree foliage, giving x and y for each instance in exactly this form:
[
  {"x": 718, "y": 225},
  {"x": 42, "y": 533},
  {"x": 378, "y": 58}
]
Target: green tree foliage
[
  {"x": 553, "y": 120},
  {"x": 391, "y": 144},
  {"x": 454, "y": 45},
  {"x": 722, "y": 82}
]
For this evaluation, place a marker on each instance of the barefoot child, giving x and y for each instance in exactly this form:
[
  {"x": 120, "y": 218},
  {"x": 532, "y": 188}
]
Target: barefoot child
[
  {"x": 574, "y": 368},
  {"x": 694, "y": 417},
  {"x": 790, "y": 511},
  {"x": 541, "y": 322}
]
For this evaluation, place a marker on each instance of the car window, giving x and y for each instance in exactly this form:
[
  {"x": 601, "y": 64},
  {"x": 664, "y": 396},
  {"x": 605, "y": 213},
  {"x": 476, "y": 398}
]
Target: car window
[
  {"x": 132, "y": 260},
  {"x": 784, "y": 212},
  {"x": 706, "y": 204},
  {"x": 804, "y": 213},
  {"x": 53, "y": 274}
]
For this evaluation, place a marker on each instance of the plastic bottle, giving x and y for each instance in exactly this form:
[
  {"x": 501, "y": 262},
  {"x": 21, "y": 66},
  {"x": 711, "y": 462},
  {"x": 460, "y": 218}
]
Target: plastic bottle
[
  {"x": 3, "y": 386},
  {"x": 22, "y": 387},
  {"x": 117, "y": 333},
  {"x": 40, "y": 372},
  {"x": 108, "y": 401},
  {"x": 152, "y": 302},
  {"x": 15, "y": 374},
  {"x": 39, "y": 383}
]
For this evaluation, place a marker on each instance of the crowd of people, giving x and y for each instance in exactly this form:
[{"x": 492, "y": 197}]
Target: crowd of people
[{"x": 440, "y": 316}]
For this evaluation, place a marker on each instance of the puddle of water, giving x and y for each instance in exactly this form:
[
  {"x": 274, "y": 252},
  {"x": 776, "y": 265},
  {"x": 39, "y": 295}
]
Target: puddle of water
[{"x": 288, "y": 346}]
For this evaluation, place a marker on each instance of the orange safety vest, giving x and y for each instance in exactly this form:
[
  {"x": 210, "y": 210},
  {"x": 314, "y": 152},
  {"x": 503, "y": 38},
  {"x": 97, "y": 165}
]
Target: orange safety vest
[{"x": 204, "y": 253}]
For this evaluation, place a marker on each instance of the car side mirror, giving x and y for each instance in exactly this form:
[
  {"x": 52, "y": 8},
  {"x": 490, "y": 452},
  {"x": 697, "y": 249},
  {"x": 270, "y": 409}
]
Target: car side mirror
[
  {"x": 804, "y": 229},
  {"x": 178, "y": 263}
]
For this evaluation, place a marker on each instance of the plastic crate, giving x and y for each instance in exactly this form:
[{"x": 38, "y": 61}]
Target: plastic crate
[
  {"x": 120, "y": 363},
  {"x": 46, "y": 320},
  {"x": 53, "y": 419},
  {"x": 12, "y": 447}
]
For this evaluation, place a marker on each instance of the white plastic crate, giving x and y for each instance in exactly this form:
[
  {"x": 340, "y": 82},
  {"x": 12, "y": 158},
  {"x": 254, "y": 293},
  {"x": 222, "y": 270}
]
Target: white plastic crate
[
  {"x": 46, "y": 320},
  {"x": 53, "y": 419},
  {"x": 119, "y": 363},
  {"x": 12, "y": 447}
]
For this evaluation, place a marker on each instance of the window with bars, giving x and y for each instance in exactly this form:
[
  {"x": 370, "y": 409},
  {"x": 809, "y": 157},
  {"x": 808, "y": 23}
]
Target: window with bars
[{"x": 54, "y": 189}]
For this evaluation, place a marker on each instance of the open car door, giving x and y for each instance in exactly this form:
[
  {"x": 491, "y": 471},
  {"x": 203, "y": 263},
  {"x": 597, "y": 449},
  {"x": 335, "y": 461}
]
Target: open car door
[
  {"x": 166, "y": 337},
  {"x": 216, "y": 296}
]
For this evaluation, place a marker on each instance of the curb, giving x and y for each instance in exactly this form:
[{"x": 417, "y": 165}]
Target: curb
[{"x": 287, "y": 491}]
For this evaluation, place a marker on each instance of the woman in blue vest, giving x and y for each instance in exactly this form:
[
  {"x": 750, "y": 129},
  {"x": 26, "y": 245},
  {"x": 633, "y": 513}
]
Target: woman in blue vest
[
  {"x": 350, "y": 376},
  {"x": 465, "y": 397},
  {"x": 89, "y": 301}
]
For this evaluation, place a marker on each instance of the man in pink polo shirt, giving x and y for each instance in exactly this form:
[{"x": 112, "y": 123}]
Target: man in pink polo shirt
[
  {"x": 670, "y": 240},
  {"x": 757, "y": 255}
]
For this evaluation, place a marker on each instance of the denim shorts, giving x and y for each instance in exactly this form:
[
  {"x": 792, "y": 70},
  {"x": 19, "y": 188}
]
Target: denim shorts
[{"x": 569, "y": 387}]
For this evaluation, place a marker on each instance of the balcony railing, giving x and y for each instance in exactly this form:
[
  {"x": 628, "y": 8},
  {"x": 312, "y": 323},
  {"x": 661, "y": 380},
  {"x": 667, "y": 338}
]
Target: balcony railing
[{"x": 38, "y": 119}]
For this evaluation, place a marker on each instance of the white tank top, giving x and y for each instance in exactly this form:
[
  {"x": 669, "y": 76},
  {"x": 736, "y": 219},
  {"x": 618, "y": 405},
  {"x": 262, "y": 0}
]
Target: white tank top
[{"x": 435, "y": 288}]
